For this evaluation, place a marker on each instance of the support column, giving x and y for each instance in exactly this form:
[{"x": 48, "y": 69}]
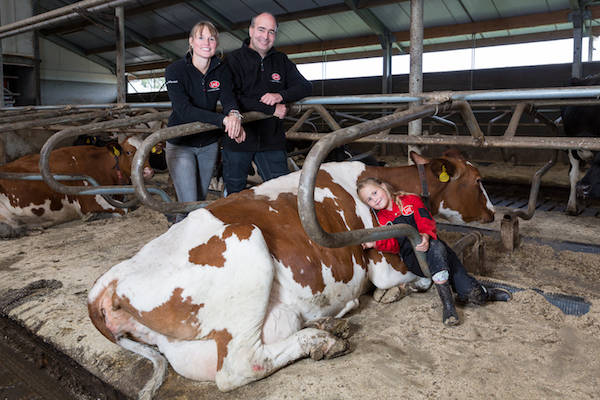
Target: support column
[
  {"x": 387, "y": 41},
  {"x": 415, "y": 80},
  {"x": 120, "y": 58},
  {"x": 576, "y": 17}
]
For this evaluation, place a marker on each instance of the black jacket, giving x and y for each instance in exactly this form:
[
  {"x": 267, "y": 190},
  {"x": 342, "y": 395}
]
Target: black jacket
[
  {"x": 252, "y": 78},
  {"x": 194, "y": 98}
]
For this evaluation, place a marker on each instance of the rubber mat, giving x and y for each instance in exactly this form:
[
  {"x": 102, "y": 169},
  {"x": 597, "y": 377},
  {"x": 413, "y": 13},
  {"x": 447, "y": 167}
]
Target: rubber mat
[{"x": 569, "y": 305}]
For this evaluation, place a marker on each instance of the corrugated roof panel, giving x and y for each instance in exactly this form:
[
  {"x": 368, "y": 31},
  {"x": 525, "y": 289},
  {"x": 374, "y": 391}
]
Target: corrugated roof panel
[
  {"x": 481, "y": 9},
  {"x": 228, "y": 42},
  {"x": 90, "y": 38},
  {"x": 233, "y": 10},
  {"x": 257, "y": 6},
  {"x": 554, "y": 5},
  {"x": 294, "y": 32},
  {"x": 511, "y": 8},
  {"x": 437, "y": 14},
  {"x": 296, "y": 5},
  {"x": 337, "y": 25},
  {"x": 322, "y": 3},
  {"x": 454, "y": 7},
  {"x": 394, "y": 16},
  {"x": 154, "y": 24}
]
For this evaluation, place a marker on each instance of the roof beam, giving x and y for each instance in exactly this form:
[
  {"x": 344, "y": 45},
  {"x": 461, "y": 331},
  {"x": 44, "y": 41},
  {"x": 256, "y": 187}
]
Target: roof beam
[
  {"x": 456, "y": 45},
  {"x": 523, "y": 21}
]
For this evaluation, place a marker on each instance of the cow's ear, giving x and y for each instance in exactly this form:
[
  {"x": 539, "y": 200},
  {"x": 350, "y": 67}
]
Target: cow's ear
[
  {"x": 444, "y": 170},
  {"x": 417, "y": 158},
  {"x": 115, "y": 148}
]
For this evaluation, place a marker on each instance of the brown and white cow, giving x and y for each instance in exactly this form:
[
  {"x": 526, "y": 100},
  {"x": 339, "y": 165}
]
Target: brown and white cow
[
  {"x": 31, "y": 204},
  {"x": 226, "y": 294}
]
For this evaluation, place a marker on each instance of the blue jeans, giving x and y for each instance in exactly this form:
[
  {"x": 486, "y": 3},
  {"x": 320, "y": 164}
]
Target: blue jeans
[
  {"x": 271, "y": 164},
  {"x": 191, "y": 169}
]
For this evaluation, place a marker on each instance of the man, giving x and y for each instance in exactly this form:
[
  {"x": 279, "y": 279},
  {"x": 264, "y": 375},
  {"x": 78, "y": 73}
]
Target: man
[{"x": 264, "y": 79}]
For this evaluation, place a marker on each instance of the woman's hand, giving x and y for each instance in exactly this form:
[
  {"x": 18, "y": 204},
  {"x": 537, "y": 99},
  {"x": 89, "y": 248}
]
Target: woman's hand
[
  {"x": 368, "y": 245},
  {"x": 424, "y": 245}
]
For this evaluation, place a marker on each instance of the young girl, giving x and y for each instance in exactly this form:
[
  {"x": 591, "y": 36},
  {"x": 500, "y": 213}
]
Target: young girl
[{"x": 445, "y": 267}]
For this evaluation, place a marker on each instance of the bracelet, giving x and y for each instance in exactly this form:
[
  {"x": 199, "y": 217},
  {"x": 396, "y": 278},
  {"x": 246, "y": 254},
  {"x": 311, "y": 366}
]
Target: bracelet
[{"x": 236, "y": 113}]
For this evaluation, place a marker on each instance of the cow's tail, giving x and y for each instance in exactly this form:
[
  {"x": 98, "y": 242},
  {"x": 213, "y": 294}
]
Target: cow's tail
[{"x": 159, "y": 363}]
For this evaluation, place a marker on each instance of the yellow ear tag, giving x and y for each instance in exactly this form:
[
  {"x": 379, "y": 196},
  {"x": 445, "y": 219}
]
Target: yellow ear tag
[
  {"x": 116, "y": 152},
  {"x": 444, "y": 177},
  {"x": 153, "y": 149}
]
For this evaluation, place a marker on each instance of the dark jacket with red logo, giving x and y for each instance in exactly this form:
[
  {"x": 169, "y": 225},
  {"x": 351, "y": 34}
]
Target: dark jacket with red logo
[
  {"x": 194, "y": 98},
  {"x": 413, "y": 213},
  {"x": 254, "y": 76}
]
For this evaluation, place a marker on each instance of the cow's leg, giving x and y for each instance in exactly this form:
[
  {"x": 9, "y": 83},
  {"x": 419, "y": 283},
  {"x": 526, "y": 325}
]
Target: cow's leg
[
  {"x": 7, "y": 231},
  {"x": 573, "y": 178}
]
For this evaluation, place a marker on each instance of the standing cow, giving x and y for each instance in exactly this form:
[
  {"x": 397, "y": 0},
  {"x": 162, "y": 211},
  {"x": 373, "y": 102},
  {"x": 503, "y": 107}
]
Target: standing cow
[
  {"x": 582, "y": 121},
  {"x": 28, "y": 204},
  {"x": 237, "y": 290}
]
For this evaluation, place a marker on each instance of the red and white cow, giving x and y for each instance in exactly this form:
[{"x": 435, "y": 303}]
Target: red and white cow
[
  {"x": 227, "y": 294},
  {"x": 32, "y": 204}
]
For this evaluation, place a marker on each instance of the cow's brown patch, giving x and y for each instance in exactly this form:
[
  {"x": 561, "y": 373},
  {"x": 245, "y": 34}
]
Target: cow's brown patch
[
  {"x": 38, "y": 211},
  {"x": 242, "y": 232},
  {"x": 222, "y": 339},
  {"x": 209, "y": 253},
  {"x": 176, "y": 318}
]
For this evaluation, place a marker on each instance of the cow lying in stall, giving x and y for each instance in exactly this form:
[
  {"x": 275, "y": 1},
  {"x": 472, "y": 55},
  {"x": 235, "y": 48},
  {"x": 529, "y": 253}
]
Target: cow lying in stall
[
  {"x": 581, "y": 121},
  {"x": 243, "y": 291},
  {"x": 28, "y": 204}
]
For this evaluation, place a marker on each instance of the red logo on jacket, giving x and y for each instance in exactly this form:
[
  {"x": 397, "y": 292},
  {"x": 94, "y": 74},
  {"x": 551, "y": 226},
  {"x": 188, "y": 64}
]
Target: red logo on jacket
[
  {"x": 275, "y": 76},
  {"x": 408, "y": 210},
  {"x": 214, "y": 84}
]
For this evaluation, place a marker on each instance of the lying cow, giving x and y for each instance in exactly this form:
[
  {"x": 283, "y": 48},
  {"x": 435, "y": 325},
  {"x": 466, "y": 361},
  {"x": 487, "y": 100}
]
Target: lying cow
[
  {"x": 227, "y": 294},
  {"x": 28, "y": 204},
  {"x": 582, "y": 121}
]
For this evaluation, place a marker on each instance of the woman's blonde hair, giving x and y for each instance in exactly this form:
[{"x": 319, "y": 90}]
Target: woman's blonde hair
[
  {"x": 199, "y": 27},
  {"x": 391, "y": 191}
]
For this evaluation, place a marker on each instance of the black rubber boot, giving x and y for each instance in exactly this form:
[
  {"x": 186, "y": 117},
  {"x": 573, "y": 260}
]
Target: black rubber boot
[
  {"x": 482, "y": 294},
  {"x": 449, "y": 314}
]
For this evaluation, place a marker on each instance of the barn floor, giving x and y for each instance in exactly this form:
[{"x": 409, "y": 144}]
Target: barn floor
[{"x": 526, "y": 348}]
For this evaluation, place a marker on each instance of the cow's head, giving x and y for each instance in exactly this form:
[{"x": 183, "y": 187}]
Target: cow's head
[
  {"x": 589, "y": 186},
  {"x": 457, "y": 193},
  {"x": 125, "y": 151}
]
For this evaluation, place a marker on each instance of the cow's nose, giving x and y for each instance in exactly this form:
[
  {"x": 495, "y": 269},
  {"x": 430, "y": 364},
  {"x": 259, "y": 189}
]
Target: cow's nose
[{"x": 148, "y": 172}]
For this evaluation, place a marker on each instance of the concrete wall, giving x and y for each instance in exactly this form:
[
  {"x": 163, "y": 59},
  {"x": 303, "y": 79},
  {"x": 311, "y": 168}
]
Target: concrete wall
[{"x": 67, "y": 78}]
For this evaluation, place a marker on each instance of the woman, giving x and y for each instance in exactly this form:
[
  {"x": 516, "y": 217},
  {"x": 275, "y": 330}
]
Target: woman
[
  {"x": 194, "y": 84},
  {"x": 444, "y": 265}
]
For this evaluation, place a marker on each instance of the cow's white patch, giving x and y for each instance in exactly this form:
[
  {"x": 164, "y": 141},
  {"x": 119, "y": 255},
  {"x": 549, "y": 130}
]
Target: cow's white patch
[
  {"x": 383, "y": 276},
  {"x": 271, "y": 209},
  {"x": 449, "y": 214},
  {"x": 15, "y": 216},
  {"x": 488, "y": 202}
]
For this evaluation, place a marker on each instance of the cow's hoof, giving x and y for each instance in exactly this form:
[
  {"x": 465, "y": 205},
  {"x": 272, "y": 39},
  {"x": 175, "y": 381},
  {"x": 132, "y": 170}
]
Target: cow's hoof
[
  {"x": 339, "y": 327},
  {"x": 390, "y": 295},
  {"x": 329, "y": 350}
]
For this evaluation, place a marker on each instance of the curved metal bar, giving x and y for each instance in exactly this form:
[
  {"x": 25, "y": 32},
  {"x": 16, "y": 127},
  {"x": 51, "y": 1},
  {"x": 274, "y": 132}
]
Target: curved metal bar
[
  {"x": 306, "y": 187},
  {"x": 535, "y": 189},
  {"x": 137, "y": 166},
  {"x": 103, "y": 191},
  {"x": 87, "y": 129},
  {"x": 60, "y": 119}
]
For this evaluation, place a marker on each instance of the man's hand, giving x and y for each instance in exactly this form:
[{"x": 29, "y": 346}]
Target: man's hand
[
  {"x": 280, "y": 111},
  {"x": 233, "y": 126},
  {"x": 271, "y": 99}
]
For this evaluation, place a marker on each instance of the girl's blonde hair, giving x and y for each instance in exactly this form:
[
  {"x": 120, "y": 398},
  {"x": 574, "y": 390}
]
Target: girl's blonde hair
[
  {"x": 199, "y": 27},
  {"x": 391, "y": 191}
]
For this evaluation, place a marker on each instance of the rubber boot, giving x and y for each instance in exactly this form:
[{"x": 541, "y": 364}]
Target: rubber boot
[{"x": 449, "y": 314}]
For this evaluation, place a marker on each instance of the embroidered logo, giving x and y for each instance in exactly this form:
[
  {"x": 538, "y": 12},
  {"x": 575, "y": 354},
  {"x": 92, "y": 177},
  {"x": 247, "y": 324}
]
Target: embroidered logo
[
  {"x": 170, "y": 82},
  {"x": 275, "y": 76},
  {"x": 408, "y": 210},
  {"x": 214, "y": 84}
]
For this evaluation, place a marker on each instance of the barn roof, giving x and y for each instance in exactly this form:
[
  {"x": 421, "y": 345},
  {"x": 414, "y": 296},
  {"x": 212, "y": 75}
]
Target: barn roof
[{"x": 310, "y": 30}]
